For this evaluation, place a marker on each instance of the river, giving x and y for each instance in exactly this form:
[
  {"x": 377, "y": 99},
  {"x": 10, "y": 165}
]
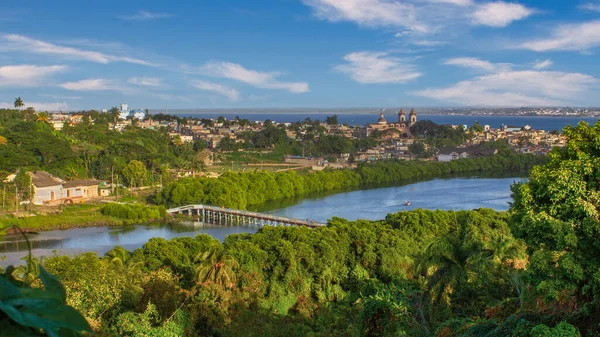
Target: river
[{"x": 372, "y": 204}]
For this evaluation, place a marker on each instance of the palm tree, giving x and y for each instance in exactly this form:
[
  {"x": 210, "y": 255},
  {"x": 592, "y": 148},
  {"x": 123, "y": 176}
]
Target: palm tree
[
  {"x": 118, "y": 256},
  {"x": 42, "y": 117},
  {"x": 19, "y": 103},
  {"x": 215, "y": 266},
  {"x": 453, "y": 261},
  {"x": 114, "y": 113}
]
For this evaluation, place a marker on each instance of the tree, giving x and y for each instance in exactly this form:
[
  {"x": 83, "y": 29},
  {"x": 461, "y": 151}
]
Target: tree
[
  {"x": 453, "y": 261},
  {"x": 332, "y": 120},
  {"x": 135, "y": 172},
  {"x": 215, "y": 266},
  {"x": 417, "y": 148},
  {"x": 23, "y": 185},
  {"x": 114, "y": 113},
  {"x": 42, "y": 117},
  {"x": 557, "y": 214},
  {"x": 476, "y": 128},
  {"x": 19, "y": 103}
]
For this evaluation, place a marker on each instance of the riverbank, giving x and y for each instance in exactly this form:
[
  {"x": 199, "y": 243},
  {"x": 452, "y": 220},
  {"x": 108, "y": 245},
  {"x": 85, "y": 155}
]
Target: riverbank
[
  {"x": 250, "y": 189},
  {"x": 88, "y": 215}
]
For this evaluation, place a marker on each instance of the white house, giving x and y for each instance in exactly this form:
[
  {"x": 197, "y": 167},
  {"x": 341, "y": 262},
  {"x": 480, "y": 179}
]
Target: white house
[
  {"x": 449, "y": 154},
  {"x": 48, "y": 189}
]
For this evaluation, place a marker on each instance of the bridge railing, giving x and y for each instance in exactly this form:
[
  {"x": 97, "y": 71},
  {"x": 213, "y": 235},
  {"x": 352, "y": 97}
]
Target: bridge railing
[{"x": 262, "y": 216}]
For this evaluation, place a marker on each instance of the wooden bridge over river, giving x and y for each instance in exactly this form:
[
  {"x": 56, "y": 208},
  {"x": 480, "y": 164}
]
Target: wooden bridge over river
[{"x": 227, "y": 216}]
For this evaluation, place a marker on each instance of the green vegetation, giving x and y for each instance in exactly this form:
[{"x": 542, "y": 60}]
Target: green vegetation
[
  {"x": 242, "y": 190},
  {"x": 134, "y": 213},
  {"x": 71, "y": 216},
  {"x": 91, "y": 149},
  {"x": 417, "y": 273},
  {"x": 87, "y": 215}
]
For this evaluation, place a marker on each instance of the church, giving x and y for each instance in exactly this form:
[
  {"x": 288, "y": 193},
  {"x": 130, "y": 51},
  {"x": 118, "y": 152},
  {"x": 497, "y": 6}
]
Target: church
[{"x": 402, "y": 125}]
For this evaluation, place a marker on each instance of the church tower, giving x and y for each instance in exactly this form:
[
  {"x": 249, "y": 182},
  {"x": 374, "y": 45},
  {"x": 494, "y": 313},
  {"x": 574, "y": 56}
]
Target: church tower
[
  {"x": 413, "y": 117},
  {"x": 401, "y": 117}
]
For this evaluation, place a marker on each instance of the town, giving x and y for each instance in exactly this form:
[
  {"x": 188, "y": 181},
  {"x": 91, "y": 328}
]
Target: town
[{"x": 392, "y": 139}]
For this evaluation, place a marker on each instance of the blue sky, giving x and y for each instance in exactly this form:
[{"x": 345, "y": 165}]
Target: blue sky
[{"x": 64, "y": 55}]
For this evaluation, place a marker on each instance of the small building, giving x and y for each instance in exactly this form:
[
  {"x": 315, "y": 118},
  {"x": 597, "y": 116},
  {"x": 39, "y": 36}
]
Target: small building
[
  {"x": 80, "y": 189},
  {"x": 46, "y": 187},
  {"x": 449, "y": 154}
]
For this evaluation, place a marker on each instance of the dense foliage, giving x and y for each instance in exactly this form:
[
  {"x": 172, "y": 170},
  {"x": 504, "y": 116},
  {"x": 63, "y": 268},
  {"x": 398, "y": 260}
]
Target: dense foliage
[
  {"x": 558, "y": 215},
  {"x": 134, "y": 212},
  {"x": 242, "y": 190},
  {"x": 417, "y": 273},
  {"x": 93, "y": 150}
]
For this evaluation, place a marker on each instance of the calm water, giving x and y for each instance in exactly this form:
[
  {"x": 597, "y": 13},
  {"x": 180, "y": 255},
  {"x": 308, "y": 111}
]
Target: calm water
[
  {"x": 361, "y": 117},
  {"x": 372, "y": 204}
]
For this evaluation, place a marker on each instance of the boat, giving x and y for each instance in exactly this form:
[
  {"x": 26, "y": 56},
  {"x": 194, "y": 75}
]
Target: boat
[{"x": 407, "y": 203}]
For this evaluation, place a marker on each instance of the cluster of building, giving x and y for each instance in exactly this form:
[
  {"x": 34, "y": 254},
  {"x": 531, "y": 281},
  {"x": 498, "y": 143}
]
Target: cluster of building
[{"x": 395, "y": 135}]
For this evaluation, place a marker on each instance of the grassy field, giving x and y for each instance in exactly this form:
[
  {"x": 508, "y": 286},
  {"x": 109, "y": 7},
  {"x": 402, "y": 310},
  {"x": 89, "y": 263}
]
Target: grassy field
[{"x": 86, "y": 215}]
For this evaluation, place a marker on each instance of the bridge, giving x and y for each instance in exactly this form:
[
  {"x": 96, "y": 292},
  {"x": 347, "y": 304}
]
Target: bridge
[{"x": 227, "y": 216}]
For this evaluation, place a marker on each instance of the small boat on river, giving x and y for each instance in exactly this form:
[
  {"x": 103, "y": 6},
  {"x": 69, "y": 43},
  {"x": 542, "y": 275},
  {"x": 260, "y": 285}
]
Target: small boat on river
[{"x": 407, "y": 203}]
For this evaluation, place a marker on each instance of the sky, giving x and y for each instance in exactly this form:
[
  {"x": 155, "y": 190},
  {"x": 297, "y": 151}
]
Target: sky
[{"x": 71, "y": 55}]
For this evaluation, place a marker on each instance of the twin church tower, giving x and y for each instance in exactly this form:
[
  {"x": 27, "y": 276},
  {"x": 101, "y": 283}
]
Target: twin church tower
[{"x": 402, "y": 125}]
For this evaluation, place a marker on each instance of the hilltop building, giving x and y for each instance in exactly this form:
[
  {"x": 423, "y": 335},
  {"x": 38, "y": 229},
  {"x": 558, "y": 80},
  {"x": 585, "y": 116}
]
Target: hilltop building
[
  {"x": 126, "y": 113},
  {"x": 402, "y": 126}
]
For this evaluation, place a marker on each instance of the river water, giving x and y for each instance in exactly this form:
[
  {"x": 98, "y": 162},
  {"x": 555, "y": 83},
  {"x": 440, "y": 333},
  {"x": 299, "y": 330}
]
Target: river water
[{"x": 372, "y": 204}]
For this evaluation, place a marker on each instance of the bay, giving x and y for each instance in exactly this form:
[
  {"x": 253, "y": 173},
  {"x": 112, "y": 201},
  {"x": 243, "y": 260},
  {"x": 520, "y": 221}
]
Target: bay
[{"x": 362, "y": 117}]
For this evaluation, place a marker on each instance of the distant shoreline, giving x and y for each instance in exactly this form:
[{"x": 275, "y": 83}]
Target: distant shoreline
[{"x": 194, "y": 112}]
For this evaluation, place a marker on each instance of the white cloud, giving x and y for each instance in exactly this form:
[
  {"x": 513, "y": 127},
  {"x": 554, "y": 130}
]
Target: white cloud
[
  {"x": 230, "y": 93},
  {"x": 92, "y": 84},
  {"x": 578, "y": 37},
  {"x": 372, "y": 67},
  {"x": 144, "y": 16},
  {"x": 500, "y": 14},
  {"x": 478, "y": 64},
  {"x": 255, "y": 78},
  {"x": 40, "y": 106},
  {"x": 454, "y": 2},
  {"x": 517, "y": 88},
  {"x": 145, "y": 81},
  {"x": 419, "y": 17},
  {"x": 590, "y": 6},
  {"x": 61, "y": 97},
  {"x": 542, "y": 64},
  {"x": 429, "y": 43},
  {"x": 27, "y": 75},
  {"x": 370, "y": 13},
  {"x": 20, "y": 43}
]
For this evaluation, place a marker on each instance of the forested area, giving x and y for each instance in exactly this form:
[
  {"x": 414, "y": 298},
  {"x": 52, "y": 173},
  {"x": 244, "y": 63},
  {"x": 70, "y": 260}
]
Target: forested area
[
  {"x": 90, "y": 150},
  {"x": 416, "y": 273},
  {"x": 242, "y": 190}
]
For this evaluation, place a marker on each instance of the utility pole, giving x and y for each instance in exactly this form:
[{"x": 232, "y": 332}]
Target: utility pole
[
  {"x": 17, "y": 199},
  {"x": 4, "y": 198},
  {"x": 117, "y": 188}
]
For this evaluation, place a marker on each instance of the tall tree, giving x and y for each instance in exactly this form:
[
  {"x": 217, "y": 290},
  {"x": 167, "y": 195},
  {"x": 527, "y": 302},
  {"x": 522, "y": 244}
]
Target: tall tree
[
  {"x": 135, "y": 172},
  {"x": 557, "y": 214},
  {"x": 215, "y": 266},
  {"x": 19, "y": 103}
]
